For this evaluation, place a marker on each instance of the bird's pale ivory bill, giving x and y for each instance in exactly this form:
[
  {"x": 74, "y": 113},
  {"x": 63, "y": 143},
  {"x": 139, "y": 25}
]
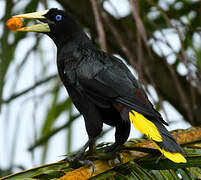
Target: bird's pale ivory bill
[{"x": 43, "y": 27}]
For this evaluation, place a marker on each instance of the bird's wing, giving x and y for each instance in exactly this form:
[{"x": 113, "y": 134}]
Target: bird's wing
[{"x": 110, "y": 81}]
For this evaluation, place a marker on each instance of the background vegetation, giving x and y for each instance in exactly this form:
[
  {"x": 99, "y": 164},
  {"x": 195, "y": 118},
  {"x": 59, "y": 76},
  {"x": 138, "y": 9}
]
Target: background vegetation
[{"x": 160, "y": 39}]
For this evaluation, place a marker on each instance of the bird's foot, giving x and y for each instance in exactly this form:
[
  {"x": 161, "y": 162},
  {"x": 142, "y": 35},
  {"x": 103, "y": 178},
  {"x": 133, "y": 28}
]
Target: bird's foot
[
  {"x": 80, "y": 160},
  {"x": 110, "y": 155},
  {"x": 113, "y": 158}
]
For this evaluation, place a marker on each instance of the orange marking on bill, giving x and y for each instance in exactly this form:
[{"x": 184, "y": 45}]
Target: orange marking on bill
[{"x": 14, "y": 23}]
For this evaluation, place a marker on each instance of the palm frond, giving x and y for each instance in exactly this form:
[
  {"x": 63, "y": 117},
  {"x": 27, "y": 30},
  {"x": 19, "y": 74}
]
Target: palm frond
[{"x": 139, "y": 160}]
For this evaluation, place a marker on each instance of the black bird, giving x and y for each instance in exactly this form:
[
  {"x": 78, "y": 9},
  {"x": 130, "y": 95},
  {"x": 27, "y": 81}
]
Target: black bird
[{"x": 101, "y": 87}]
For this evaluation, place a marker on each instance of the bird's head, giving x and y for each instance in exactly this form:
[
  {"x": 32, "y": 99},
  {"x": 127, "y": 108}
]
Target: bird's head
[{"x": 57, "y": 24}]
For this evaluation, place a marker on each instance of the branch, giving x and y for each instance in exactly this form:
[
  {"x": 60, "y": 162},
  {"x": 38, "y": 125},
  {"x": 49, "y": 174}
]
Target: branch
[
  {"x": 99, "y": 25},
  {"x": 136, "y": 16},
  {"x": 14, "y": 96},
  {"x": 51, "y": 133},
  {"x": 140, "y": 27},
  {"x": 119, "y": 39}
]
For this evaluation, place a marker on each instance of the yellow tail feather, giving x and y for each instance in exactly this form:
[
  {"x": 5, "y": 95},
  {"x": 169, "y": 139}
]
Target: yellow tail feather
[
  {"x": 150, "y": 130},
  {"x": 144, "y": 126},
  {"x": 175, "y": 157}
]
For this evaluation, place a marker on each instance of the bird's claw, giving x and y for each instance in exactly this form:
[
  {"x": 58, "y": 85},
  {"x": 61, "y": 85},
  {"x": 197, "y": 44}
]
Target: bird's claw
[
  {"x": 107, "y": 156},
  {"x": 88, "y": 163},
  {"x": 75, "y": 159}
]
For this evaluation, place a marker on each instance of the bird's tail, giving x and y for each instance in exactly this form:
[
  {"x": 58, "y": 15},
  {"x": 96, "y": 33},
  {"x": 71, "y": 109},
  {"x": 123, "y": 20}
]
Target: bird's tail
[{"x": 155, "y": 131}]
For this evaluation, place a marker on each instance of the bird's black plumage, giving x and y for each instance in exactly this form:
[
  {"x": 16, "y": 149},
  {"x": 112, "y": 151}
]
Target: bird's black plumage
[{"x": 102, "y": 87}]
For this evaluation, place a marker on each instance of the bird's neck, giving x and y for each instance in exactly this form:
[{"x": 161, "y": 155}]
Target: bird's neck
[
  {"x": 76, "y": 38},
  {"x": 73, "y": 48}
]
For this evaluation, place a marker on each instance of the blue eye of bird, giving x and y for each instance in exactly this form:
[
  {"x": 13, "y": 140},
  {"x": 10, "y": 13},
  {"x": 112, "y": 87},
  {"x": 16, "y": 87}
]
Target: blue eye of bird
[{"x": 58, "y": 17}]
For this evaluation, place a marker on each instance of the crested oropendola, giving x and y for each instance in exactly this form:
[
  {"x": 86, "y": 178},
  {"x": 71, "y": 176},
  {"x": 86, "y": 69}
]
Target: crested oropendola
[{"x": 101, "y": 87}]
